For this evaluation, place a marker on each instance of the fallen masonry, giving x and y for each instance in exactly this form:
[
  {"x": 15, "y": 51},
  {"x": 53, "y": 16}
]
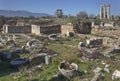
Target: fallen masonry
[
  {"x": 33, "y": 43},
  {"x": 68, "y": 70},
  {"x": 19, "y": 62},
  {"x": 5, "y": 55},
  {"x": 93, "y": 45},
  {"x": 41, "y": 58},
  {"x": 97, "y": 70},
  {"x": 116, "y": 74},
  {"x": 37, "y": 57},
  {"x": 89, "y": 55},
  {"x": 111, "y": 52},
  {"x": 97, "y": 77}
]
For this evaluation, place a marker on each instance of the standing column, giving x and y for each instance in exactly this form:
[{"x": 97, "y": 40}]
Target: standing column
[
  {"x": 105, "y": 12},
  {"x": 101, "y": 11},
  {"x": 108, "y": 14}
]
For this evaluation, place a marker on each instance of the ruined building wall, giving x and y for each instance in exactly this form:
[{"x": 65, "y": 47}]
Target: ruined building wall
[
  {"x": 35, "y": 29},
  {"x": 106, "y": 32},
  {"x": 16, "y": 29},
  {"x": 108, "y": 42},
  {"x": 85, "y": 28},
  {"x": 48, "y": 29},
  {"x": 66, "y": 28},
  {"x": 53, "y": 29}
]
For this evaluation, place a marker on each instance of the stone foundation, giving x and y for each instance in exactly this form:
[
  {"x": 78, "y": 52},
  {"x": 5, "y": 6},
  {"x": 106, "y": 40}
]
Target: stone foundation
[
  {"x": 115, "y": 33},
  {"x": 16, "y": 29}
]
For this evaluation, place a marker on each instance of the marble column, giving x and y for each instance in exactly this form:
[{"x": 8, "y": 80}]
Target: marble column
[
  {"x": 105, "y": 13},
  {"x": 108, "y": 13},
  {"x": 101, "y": 11}
]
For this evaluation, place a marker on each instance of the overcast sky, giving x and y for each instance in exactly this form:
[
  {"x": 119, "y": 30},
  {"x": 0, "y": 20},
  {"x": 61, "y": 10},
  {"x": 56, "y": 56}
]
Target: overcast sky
[{"x": 68, "y": 6}]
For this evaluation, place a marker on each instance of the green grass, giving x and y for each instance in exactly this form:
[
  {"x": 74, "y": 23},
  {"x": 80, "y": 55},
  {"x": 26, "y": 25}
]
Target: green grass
[{"x": 64, "y": 53}]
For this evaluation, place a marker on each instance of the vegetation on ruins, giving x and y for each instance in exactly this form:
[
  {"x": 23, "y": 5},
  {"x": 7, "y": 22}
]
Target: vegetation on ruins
[{"x": 64, "y": 53}]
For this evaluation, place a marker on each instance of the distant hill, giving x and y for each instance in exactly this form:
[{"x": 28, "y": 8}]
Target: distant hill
[{"x": 21, "y": 13}]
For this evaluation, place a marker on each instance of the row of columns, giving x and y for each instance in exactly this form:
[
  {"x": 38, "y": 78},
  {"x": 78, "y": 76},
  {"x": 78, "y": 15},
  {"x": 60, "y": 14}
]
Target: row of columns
[{"x": 105, "y": 11}]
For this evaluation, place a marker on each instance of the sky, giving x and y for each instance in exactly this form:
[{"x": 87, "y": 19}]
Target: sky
[{"x": 68, "y": 6}]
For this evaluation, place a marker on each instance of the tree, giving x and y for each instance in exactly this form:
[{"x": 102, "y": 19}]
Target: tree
[
  {"x": 117, "y": 18},
  {"x": 91, "y": 16},
  {"x": 112, "y": 17},
  {"x": 2, "y": 21},
  {"x": 82, "y": 15}
]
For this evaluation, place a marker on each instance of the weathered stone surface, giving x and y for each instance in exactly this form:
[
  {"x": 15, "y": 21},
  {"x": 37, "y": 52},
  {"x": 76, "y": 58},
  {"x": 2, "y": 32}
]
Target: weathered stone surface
[
  {"x": 16, "y": 29},
  {"x": 107, "y": 65},
  {"x": 111, "y": 25},
  {"x": 16, "y": 36},
  {"x": 37, "y": 67},
  {"x": 111, "y": 52},
  {"x": 109, "y": 42},
  {"x": 89, "y": 54},
  {"x": 106, "y": 32},
  {"x": 33, "y": 42},
  {"x": 41, "y": 58},
  {"x": 97, "y": 70},
  {"x": 82, "y": 27},
  {"x": 102, "y": 62},
  {"x": 107, "y": 70},
  {"x": 80, "y": 45},
  {"x": 53, "y": 37},
  {"x": 116, "y": 74},
  {"x": 115, "y": 50},
  {"x": 19, "y": 61},
  {"x": 94, "y": 42},
  {"x": 10, "y": 42},
  {"x": 46, "y": 29},
  {"x": 68, "y": 70},
  {"x": 66, "y": 28},
  {"x": 70, "y": 34},
  {"x": 97, "y": 77},
  {"x": 33, "y": 45},
  {"x": 20, "y": 51},
  {"x": 5, "y": 55}
]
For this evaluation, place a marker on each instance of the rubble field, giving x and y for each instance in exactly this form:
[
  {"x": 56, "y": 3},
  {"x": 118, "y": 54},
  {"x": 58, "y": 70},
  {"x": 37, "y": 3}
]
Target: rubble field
[{"x": 26, "y": 57}]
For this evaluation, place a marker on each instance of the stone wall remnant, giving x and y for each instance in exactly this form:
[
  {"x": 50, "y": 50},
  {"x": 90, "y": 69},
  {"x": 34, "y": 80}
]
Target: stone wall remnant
[
  {"x": 94, "y": 42},
  {"x": 16, "y": 29}
]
